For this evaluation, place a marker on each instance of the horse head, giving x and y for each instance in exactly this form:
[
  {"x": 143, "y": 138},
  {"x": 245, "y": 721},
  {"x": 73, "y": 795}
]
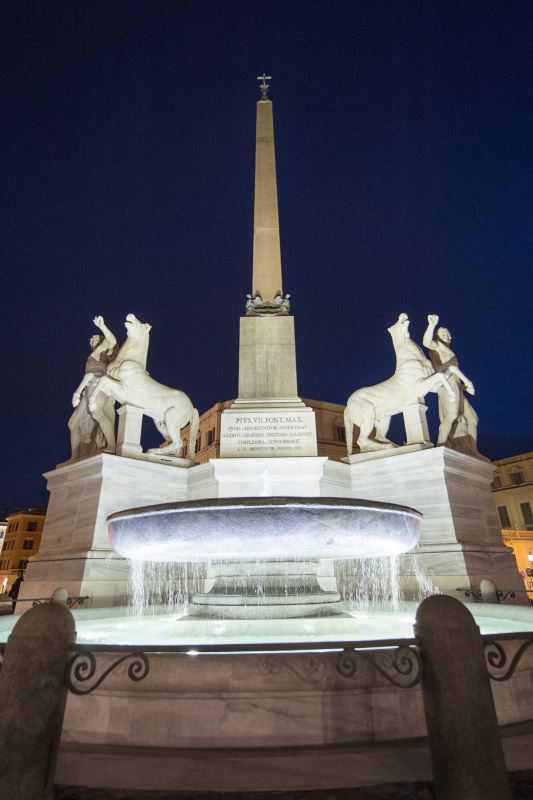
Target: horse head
[
  {"x": 135, "y": 328},
  {"x": 135, "y": 348},
  {"x": 400, "y": 330}
]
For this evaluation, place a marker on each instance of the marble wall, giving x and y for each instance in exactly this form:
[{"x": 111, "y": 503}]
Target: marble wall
[
  {"x": 263, "y": 722},
  {"x": 460, "y": 540}
]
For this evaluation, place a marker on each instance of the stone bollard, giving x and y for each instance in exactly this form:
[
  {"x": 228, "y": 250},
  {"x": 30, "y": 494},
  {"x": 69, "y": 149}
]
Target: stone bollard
[
  {"x": 32, "y": 700},
  {"x": 489, "y": 592},
  {"x": 466, "y": 750}
]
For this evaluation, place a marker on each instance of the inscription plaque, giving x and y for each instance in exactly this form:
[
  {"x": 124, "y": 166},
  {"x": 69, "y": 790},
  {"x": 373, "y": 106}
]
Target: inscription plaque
[{"x": 267, "y": 434}]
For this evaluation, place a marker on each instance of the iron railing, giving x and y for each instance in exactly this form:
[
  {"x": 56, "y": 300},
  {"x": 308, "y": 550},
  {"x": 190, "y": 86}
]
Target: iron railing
[{"x": 399, "y": 661}]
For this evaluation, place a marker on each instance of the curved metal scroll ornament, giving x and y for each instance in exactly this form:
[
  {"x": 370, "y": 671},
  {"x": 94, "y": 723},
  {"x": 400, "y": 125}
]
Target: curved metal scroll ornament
[
  {"x": 82, "y": 668},
  {"x": 308, "y": 669},
  {"x": 496, "y": 659},
  {"x": 402, "y": 668}
]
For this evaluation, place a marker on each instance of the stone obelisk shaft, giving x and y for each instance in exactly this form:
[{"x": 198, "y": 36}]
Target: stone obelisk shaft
[
  {"x": 267, "y": 251},
  {"x": 268, "y": 419}
]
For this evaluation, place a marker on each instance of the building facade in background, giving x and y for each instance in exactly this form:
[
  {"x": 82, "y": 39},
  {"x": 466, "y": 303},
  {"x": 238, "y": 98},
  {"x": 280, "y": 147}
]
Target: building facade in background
[
  {"x": 513, "y": 494},
  {"x": 331, "y": 439},
  {"x": 21, "y": 540}
]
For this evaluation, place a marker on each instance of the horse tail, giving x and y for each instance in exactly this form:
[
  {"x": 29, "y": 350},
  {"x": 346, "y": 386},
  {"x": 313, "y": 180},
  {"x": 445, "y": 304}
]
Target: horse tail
[{"x": 193, "y": 431}]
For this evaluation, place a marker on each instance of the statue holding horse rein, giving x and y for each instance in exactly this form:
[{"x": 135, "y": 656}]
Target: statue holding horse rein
[
  {"x": 128, "y": 382},
  {"x": 372, "y": 407}
]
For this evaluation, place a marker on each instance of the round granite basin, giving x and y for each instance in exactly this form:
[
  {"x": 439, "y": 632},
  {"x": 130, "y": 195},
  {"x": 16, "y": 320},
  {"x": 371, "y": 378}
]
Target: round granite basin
[{"x": 259, "y": 528}]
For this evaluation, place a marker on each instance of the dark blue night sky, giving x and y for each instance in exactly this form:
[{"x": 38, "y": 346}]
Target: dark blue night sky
[{"x": 405, "y": 153}]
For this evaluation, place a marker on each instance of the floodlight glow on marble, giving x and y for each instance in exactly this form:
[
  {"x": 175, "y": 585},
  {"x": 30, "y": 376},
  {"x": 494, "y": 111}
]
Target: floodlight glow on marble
[{"x": 262, "y": 528}]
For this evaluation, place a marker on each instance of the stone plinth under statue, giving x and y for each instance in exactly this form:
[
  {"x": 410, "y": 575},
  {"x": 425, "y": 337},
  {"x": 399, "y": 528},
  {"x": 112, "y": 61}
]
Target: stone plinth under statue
[{"x": 460, "y": 540}]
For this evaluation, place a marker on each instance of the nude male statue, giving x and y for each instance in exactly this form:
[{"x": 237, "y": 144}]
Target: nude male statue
[
  {"x": 92, "y": 431},
  {"x": 457, "y": 417}
]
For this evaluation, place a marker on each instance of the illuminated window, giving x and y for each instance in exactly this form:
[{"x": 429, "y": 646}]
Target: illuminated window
[
  {"x": 505, "y": 522},
  {"x": 527, "y": 515}
]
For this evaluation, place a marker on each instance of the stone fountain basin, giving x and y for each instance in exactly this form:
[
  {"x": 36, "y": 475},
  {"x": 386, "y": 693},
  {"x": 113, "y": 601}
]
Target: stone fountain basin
[{"x": 260, "y": 528}]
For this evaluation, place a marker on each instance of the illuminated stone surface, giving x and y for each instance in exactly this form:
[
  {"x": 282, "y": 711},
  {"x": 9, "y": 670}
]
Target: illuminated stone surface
[{"x": 255, "y": 529}]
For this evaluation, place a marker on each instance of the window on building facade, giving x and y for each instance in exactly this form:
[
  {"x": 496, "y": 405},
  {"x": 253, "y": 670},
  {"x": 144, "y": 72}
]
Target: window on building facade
[
  {"x": 527, "y": 514},
  {"x": 497, "y": 483},
  {"x": 210, "y": 437},
  {"x": 517, "y": 476},
  {"x": 340, "y": 433},
  {"x": 198, "y": 445},
  {"x": 32, "y": 526},
  {"x": 505, "y": 522},
  {"x": 28, "y": 544}
]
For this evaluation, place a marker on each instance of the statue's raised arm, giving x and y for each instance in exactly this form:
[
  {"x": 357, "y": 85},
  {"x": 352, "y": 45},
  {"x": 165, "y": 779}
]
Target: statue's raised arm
[
  {"x": 109, "y": 340},
  {"x": 93, "y": 429}
]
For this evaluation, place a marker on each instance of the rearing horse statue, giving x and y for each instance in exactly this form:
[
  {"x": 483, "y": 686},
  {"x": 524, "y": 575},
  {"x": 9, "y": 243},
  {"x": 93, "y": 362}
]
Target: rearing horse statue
[
  {"x": 372, "y": 407},
  {"x": 127, "y": 381}
]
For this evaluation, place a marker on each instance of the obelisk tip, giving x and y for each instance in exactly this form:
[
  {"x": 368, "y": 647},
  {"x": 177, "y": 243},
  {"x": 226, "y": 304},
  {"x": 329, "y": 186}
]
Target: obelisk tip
[{"x": 263, "y": 85}]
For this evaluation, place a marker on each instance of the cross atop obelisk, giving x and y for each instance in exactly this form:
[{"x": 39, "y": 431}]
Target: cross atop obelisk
[
  {"x": 266, "y": 280},
  {"x": 264, "y": 86}
]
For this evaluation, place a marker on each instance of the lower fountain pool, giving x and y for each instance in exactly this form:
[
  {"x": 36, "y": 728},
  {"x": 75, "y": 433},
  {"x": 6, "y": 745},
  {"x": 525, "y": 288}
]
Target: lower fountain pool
[{"x": 121, "y": 627}]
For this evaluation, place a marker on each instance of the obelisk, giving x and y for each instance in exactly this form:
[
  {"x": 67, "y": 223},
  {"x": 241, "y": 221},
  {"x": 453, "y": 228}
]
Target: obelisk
[
  {"x": 266, "y": 275},
  {"x": 268, "y": 419}
]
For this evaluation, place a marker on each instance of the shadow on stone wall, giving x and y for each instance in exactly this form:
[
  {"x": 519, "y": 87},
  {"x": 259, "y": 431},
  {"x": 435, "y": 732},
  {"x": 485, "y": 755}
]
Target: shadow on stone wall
[{"x": 521, "y": 782}]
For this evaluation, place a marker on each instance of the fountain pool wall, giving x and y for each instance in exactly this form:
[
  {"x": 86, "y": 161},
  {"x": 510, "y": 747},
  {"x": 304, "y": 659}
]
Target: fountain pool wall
[{"x": 263, "y": 720}]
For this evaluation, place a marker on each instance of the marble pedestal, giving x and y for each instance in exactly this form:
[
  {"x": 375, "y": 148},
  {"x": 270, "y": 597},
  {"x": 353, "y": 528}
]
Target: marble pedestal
[
  {"x": 250, "y": 430},
  {"x": 460, "y": 541},
  {"x": 75, "y": 551},
  {"x": 268, "y": 419},
  {"x": 268, "y": 590}
]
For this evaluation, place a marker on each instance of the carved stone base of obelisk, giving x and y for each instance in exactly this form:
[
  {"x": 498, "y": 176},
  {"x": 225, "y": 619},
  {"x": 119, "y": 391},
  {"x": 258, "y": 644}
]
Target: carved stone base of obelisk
[{"x": 268, "y": 419}]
